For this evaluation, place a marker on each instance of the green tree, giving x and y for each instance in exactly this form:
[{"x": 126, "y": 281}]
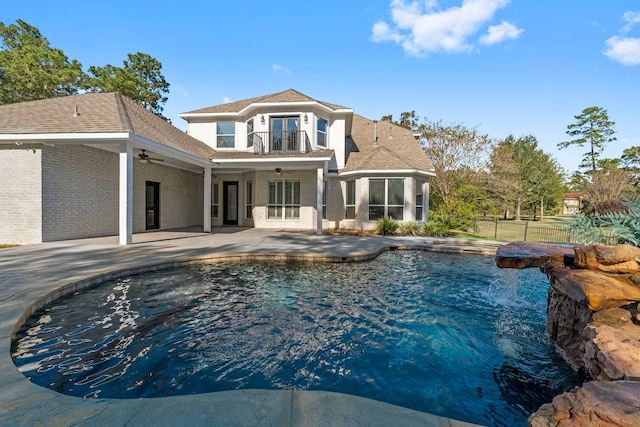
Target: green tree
[
  {"x": 408, "y": 119},
  {"x": 459, "y": 155},
  {"x": 140, "y": 79},
  {"x": 630, "y": 161},
  {"x": 527, "y": 175},
  {"x": 592, "y": 127},
  {"x": 31, "y": 69}
]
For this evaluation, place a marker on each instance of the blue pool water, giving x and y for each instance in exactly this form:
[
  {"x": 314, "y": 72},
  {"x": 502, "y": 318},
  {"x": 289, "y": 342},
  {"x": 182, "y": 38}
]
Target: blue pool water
[{"x": 441, "y": 333}]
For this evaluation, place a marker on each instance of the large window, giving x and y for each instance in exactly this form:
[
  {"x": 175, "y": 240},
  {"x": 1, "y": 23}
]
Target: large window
[
  {"x": 248, "y": 200},
  {"x": 226, "y": 132},
  {"x": 250, "y": 135},
  {"x": 283, "y": 199},
  {"x": 214, "y": 200},
  {"x": 350, "y": 200},
  {"x": 322, "y": 132},
  {"x": 386, "y": 199}
]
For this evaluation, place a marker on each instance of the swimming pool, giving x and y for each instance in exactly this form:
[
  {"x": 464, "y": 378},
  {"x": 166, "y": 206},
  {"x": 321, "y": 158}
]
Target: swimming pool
[{"x": 442, "y": 333}]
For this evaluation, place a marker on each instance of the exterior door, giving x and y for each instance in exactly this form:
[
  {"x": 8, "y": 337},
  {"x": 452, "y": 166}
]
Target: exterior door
[
  {"x": 284, "y": 134},
  {"x": 230, "y": 201},
  {"x": 152, "y": 205}
]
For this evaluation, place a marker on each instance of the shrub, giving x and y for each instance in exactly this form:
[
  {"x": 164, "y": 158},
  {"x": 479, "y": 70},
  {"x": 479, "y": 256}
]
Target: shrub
[
  {"x": 387, "y": 226},
  {"x": 411, "y": 228},
  {"x": 436, "y": 227}
]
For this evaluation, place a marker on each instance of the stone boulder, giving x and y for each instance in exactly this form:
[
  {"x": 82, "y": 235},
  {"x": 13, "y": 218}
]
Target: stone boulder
[
  {"x": 595, "y": 404},
  {"x": 612, "y": 346},
  {"x": 610, "y": 259},
  {"x": 529, "y": 254},
  {"x": 594, "y": 289}
]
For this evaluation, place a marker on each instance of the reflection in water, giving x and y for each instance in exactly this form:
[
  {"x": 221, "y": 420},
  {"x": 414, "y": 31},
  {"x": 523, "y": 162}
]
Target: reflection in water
[{"x": 446, "y": 334}]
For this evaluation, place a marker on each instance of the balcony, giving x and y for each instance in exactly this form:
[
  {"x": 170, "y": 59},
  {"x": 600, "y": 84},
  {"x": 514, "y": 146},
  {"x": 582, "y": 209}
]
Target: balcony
[{"x": 279, "y": 142}]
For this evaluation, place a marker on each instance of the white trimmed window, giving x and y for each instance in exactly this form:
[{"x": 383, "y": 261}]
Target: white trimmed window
[
  {"x": 419, "y": 200},
  {"x": 250, "y": 130},
  {"x": 322, "y": 132},
  {"x": 386, "y": 198},
  {"x": 214, "y": 200},
  {"x": 248, "y": 200},
  {"x": 324, "y": 199},
  {"x": 283, "y": 201},
  {"x": 350, "y": 200},
  {"x": 226, "y": 134}
]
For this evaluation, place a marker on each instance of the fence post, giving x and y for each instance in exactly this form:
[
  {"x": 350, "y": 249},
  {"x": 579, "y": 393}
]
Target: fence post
[
  {"x": 475, "y": 225},
  {"x": 526, "y": 229},
  {"x": 495, "y": 233}
]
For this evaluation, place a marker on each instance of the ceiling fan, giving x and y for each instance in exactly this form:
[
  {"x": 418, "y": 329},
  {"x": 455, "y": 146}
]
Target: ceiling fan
[
  {"x": 279, "y": 171},
  {"x": 143, "y": 157}
]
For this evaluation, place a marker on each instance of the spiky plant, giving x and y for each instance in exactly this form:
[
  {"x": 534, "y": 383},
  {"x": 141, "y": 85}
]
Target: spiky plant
[
  {"x": 410, "y": 228},
  {"x": 615, "y": 227},
  {"x": 387, "y": 226}
]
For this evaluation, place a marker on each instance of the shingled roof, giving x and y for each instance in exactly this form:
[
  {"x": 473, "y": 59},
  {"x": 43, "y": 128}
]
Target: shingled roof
[
  {"x": 395, "y": 148},
  {"x": 96, "y": 113},
  {"x": 289, "y": 95}
]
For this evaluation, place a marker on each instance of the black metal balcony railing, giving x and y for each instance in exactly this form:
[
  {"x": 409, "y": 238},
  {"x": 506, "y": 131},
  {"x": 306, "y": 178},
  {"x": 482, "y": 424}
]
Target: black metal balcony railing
[{"x": 279, "y": 142}]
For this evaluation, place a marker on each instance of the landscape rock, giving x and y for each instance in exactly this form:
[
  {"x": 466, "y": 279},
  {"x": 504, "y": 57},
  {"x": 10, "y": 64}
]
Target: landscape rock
[
  {"x": 612, "y": 348},
  {"x": 610, "y": 259},
  {"x": 528, "y": 254},
  {"x": 594, "y": 289},
  {"x": 595, "y": 404}
]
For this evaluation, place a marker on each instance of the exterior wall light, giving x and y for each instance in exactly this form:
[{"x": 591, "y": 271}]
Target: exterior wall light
[
  {"x": 262, "y": 119},
  {"x": 306, "y": 118}
]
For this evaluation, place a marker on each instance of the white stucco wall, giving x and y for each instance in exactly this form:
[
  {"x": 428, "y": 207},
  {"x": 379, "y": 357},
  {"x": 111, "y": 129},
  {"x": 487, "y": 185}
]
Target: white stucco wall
[{"x": 20, "y": 191}]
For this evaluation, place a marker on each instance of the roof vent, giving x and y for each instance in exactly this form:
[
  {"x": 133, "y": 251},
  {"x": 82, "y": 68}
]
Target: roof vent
[{"x": 76, "y": 113}]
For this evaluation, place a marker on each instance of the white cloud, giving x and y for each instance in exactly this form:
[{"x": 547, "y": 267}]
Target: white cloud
[
  {"x": 278, "y": 67},
  {"x": 226, "y": 100},
  {"x": 499, "y": 33},
  {"x": 631, "y": 19},
  {"x": 421, "y": 27},
  {"x": 625, "y": 50}
]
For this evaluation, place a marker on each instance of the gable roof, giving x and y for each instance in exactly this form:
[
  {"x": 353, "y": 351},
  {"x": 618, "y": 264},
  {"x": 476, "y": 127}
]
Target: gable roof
[
  {"x": 97, "y": 113},
  {"x": 289, "y": 95},
  {"x": 395, "y": 149}
]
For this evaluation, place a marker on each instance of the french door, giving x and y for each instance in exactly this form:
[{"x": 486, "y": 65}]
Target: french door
[{"x": 284, "y": 134}]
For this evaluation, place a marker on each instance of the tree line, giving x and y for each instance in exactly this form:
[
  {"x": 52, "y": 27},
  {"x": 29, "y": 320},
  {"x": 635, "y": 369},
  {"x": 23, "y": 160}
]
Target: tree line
[
  {"x": 511, "y": 177},
  {"x": 31, "y": 69}
]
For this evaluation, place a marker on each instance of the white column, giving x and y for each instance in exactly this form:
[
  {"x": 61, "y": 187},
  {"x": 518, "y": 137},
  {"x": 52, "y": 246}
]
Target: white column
[
  {"x": 126, "y": 194},
  {"x": 207, "y": 200},
  {"x": 320, "y": 189}
]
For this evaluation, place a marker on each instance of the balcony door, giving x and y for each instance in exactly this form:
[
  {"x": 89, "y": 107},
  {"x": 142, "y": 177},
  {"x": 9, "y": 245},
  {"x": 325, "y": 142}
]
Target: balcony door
[{"x": 284, "y": 134}]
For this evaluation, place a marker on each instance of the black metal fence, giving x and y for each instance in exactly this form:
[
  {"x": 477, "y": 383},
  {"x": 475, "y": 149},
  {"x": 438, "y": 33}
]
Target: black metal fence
[
  {"x": 278, "y": 142},
  {"x": 528, "y": 231}
]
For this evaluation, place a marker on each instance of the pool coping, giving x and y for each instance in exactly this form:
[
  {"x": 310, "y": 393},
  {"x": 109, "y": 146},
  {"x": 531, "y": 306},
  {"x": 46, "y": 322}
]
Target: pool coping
[{"x": 24, "y": 403}]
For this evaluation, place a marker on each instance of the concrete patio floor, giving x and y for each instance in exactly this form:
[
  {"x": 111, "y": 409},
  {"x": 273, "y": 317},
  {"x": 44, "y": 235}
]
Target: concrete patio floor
[{"x": 29, "y": 273}]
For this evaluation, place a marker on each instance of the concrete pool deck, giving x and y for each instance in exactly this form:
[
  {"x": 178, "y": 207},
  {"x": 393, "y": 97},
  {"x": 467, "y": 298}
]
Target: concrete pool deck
[{"x": 29, "y": 273}]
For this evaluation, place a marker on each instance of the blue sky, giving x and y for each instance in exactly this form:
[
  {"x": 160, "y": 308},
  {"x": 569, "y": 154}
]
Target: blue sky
[{"x": 505, "y": 67}]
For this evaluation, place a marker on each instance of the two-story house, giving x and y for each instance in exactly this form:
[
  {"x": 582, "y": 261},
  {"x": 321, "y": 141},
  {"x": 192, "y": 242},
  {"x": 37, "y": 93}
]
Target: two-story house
[
  {"x": 98, "y": 164},
  {"x": 289, "y": 161}
]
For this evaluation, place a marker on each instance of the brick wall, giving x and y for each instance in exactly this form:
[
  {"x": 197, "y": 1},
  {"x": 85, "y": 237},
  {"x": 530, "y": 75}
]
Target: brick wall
[
  {"x": 181, "y": 196},
  {"x": 20, "y": 189},
  {"x": 79, "y": 192}
]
